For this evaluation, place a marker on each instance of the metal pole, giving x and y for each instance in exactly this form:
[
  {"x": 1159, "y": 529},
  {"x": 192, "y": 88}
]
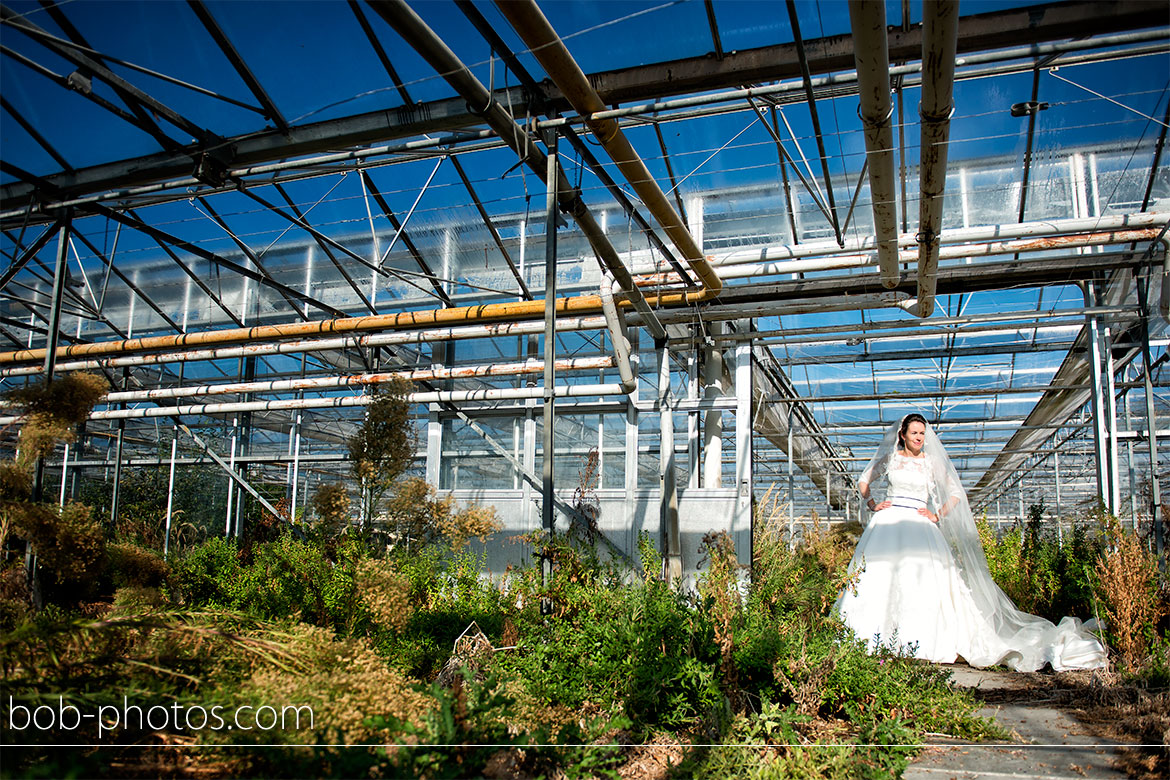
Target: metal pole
[
  {"x": 713, "y": 420},
  {"x": 1151, "y": 425},
  {"x": 170, "y": 491},
  {"x": 227, "y": 523},
  {"x": 64, "y": 474},
  {"x": 791, "y": 486},
  {"x": 668, "y": 484},
  {"x": 1056, "y": 479},
  {"x": 1099, "y": 434},
  {"x": 296, "y": 466},
  {"x": 1133, "y": 489},
  {"x": 114, "y": 493},
  {"x": 548, "y": 517},
  {"x": 1111, "y": 423},
  {"x": 744, "y": 454},
  {"x": 60, "y": 272}
]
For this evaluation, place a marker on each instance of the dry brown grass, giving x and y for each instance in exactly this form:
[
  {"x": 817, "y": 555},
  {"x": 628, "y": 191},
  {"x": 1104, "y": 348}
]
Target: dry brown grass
[
  {"x": 1128, "y": 576},
  {"x": 386, "y": 593},
  {"x": 345, "y": 683}
]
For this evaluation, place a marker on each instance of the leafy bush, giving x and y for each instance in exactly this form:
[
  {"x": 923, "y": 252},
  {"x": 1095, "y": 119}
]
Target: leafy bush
[
  {"x": 206, "y": 575},
  {"x": 1041, "y": 574},
  {"x": 632, "y": 648}
]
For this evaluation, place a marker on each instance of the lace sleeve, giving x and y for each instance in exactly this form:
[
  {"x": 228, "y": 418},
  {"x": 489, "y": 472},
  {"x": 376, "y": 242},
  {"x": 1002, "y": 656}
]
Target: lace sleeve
[
  {"x": 944, "y": 486},
  {"x": 874, "y": 471}
]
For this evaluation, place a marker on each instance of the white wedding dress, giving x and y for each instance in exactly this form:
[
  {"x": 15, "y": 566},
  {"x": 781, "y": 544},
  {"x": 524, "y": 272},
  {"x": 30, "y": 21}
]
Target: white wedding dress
[{"x": 910, "y": 592}]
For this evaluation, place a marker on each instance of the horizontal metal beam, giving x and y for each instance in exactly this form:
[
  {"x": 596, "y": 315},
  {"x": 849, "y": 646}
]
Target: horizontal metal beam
[{"x": 998, "y": 29}]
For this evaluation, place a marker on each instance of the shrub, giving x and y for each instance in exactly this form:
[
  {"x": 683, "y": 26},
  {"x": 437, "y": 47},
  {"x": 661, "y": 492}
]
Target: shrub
[
  {"x": 630, "y": 647},
  {"x": 331, "y": 505},
  {"x": 131, "y": 566},
  {"x": 52, "y": 411},
  {"x": 1130, "y": 595},
  {"x": 70, "y": 549},
  {"x": 416, "y": 514},
  {"x": 207, "y": 574},
  {"x": 1039, "y": 573}
]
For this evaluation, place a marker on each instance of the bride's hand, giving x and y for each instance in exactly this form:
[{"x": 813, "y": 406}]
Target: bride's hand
[
  {"x": 882, "y": 505},
  {"x": 928, "y": 514}
]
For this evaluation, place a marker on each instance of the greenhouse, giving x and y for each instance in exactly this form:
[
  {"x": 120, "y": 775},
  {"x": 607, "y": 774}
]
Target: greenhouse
[{"x": 641, "y": 274}]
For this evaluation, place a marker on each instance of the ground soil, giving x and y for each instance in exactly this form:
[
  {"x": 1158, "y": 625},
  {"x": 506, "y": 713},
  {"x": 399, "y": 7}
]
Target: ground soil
[{"x": 1108, "y": 707}]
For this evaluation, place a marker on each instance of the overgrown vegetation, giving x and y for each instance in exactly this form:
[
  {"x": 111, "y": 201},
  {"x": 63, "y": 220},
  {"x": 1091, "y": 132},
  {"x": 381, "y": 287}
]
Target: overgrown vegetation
[
  {"x": 1098, "y": 569},
  {"x": 411, "y": 649}
]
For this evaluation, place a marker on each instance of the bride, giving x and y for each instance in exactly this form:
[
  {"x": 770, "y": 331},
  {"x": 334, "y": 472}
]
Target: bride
[{"x": 920, "y": 579}]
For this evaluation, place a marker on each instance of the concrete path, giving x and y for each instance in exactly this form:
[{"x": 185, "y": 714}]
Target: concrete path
[{"x": 1048, "y": 744}]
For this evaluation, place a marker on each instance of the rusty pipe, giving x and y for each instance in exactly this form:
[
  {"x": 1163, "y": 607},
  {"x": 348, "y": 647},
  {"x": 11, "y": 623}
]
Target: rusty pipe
[
  {"x": 940, "y": 41},
  {"x": 427, "y": 43},
  {"x": 871, "y": 54},
  {"x": 536, "y": 32},
  {"x": 564, "y": 324},
  {"x": 462, "y": 315}
]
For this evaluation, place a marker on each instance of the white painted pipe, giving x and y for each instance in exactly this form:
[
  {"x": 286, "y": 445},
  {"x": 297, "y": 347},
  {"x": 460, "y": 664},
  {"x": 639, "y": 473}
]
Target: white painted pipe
[
  {"x": 358, "y": 380},
  {"x": 340, "y": 402}
]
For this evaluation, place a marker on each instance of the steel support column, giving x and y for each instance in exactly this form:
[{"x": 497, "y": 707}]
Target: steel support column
[
  {"x": 434, "y": 463},
  {"x": 743, "y": 430},
  {"x": 667, "y": 480},
  {"x": 713, "y": 419},
  {"x": 548, "y": 513},
  {"x": 170, "y": 492},
  {"x": 1157, "y": 517},
  {"x": 1100, "y": 431},
  {"x": 1111, "y": 419}
]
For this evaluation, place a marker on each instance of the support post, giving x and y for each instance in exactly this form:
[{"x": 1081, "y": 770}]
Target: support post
[
  {"x": 439, "y": 359},
  {"x": 693, "y": 467},
  {"x": 170, "y": 492},
  {"x": 60, "y": 273},
  {"x": 1133, "y": 488},
  {"x": 791, "y": 484},
  {"x": 548, "y": 516},
  {"x": 1156, "y": 513},
  {"x": 227, "y": 523},
  {"x": 1111, "y": 424},
  {"x": 296, "y": 468},
  {"x": 64, "y": 476},
  {"x": 1059, "y": 515},
  {"x": 632, "y": 434},
  {"x": 744, "y": 455},
  {"x": 1104, "y": 494},
  {"x": 713, "y": 418},
  {"x": 668, "y": 506}
]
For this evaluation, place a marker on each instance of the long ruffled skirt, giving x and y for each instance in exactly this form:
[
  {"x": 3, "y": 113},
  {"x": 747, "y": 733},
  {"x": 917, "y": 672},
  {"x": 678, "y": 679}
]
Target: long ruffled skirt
[{"x": 908, "y": 594}]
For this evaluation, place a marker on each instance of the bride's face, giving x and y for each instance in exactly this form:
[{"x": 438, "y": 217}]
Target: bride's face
[{"x": 915, "y": 437}]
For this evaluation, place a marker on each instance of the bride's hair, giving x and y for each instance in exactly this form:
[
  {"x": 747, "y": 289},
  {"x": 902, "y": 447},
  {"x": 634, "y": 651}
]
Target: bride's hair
[{"x": 915, "y": 417}]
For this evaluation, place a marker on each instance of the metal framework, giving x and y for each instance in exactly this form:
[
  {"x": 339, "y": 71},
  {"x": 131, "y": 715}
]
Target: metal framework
[{"x": 706, "y": 320}]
